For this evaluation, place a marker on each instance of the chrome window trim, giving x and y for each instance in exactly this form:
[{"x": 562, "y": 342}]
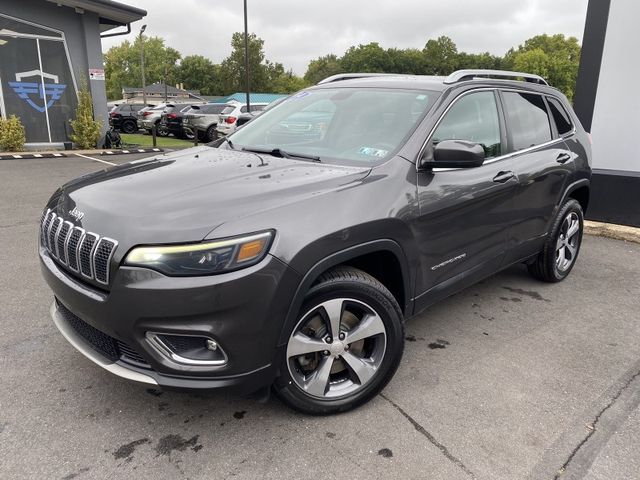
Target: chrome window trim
[
  {"x": 501, "y": 157},
  {"x": 108, "y": 263},
  {"x": 163, "y": 349}
]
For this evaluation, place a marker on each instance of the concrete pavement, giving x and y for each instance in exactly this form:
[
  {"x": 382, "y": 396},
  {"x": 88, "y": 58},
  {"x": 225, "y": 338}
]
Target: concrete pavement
[{"x": 510, "y": 379}]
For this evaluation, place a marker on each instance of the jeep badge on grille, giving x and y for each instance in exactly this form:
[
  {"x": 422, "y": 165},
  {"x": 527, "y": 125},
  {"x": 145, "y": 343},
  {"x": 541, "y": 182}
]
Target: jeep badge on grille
[{"x": 77, "y": 214}]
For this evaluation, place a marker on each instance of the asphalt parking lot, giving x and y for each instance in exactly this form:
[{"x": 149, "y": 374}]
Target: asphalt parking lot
[{"x": 510, "y": 379}]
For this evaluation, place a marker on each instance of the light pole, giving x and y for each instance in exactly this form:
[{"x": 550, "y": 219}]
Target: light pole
[
  {"x": 144, "y": 86},
  {"x": 246, "y": 55}
]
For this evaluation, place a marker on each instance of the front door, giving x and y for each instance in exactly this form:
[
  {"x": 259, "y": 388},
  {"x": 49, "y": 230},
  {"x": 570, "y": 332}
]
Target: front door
[{"x": 463, "y": 222}]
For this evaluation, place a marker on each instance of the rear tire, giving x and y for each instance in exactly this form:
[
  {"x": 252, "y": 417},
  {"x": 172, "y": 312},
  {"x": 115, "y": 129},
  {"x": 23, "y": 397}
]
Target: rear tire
[
  {"x": 338, "y": 374},
  {"x": 561, "y": 249}
]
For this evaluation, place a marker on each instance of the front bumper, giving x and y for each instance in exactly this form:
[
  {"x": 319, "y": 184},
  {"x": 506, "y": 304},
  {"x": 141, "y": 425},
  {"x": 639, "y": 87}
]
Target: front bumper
[{"x": 243, "y": 310}]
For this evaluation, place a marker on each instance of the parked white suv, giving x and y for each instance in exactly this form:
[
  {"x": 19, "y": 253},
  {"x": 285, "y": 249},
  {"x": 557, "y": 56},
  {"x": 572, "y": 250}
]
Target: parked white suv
[{"x": 229, "y": 116}]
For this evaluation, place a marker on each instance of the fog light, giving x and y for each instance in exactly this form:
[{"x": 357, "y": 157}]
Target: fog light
[{"x": 192, "y": 350}]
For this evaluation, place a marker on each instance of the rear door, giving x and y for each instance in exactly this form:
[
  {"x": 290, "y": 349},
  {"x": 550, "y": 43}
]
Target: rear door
[{"x": 543, "y": 164}]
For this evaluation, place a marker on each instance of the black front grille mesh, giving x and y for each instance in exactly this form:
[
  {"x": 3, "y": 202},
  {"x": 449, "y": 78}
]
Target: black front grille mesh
[
  {"x": 83, "y": 252},
  {"x": 108, "y": 346}
]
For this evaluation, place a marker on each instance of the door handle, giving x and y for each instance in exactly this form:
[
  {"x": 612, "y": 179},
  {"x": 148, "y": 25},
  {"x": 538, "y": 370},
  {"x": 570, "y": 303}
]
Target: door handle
[
  {"x": 563, "y": 158},
  {"x": 503, "y": 177}
]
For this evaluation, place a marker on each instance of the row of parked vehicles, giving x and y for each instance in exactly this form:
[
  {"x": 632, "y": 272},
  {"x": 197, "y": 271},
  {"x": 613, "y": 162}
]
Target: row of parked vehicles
[{"x": 208, "y": 120}]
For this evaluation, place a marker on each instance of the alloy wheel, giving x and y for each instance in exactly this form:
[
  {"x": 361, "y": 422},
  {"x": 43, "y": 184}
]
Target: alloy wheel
[
  {"x": 568, "y": 240},
  {"x": 336, "y": 348}
]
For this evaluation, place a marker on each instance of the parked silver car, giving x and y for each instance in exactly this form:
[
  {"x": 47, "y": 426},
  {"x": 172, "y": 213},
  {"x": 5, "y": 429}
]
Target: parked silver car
[{"x": 203, "y": 120}]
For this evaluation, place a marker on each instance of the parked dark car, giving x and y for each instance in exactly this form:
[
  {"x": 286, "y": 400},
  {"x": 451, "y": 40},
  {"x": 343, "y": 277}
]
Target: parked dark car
[
  {"x": 124, "y": 117},
  {"x": 172, "y": 119},
  {"x": 294, "y": 264}
]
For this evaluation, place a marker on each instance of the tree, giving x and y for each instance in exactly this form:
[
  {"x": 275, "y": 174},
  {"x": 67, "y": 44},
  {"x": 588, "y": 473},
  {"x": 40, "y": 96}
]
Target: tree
[
  {"x": 12, "y": 136},
  {"x": 441, "y": 56},
  {"x": 367, "y": 58},
  {"x": 123, "y": 67},
  {"x": 409, "y": 60},
  {"x": 86, "y": 130},
  {"x": 559, "y": 64},
  {"x": 232, "y": 69},
  {"x": 321, "y": 68},
  {"x": 478, "y": 60},
  {"x": 199, "y": 73}
]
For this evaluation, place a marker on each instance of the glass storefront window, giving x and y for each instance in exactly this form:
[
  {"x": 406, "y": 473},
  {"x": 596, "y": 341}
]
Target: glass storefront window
[{"x": 36, "y": 83}]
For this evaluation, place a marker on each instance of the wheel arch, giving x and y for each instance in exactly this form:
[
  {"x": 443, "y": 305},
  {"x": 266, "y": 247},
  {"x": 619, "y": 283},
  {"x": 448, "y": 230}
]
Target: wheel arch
[{"x": 364, "y": 257}]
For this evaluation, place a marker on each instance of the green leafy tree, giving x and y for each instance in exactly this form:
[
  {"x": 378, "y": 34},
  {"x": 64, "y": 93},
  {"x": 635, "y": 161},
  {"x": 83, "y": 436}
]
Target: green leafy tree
[
  {"x": 478, "y": 60},
  {"x": 440, "y": 56},
  {"x": 409, "y": 60},
  {"x": 123, "y": 66},
  {"x": 367, "y": 58},
  {"x": 555, "y": 57},
  {"x": 199, "y": 73},
  {"x": 12, "y": 136},
  {"x": 321, "y": 68},
  {"x": 86, "y": 130},
  {"x": 232, "y": 69}
]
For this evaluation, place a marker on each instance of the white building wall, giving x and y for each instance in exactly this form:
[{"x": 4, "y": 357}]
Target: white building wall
[{"x": 616, "y": 117}]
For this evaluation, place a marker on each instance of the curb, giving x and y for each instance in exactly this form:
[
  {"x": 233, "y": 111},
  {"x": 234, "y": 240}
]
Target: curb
[
  {"x": 610, "y": 230},
  {"x": 72, "y": 153}
]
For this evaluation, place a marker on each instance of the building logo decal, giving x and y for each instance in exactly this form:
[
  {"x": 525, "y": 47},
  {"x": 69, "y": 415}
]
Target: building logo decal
[{"x": 41, "y": 96}]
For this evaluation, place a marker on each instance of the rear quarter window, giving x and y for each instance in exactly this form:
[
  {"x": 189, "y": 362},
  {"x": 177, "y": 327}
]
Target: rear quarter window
[
  {"x": 560, "y": 116},
  {"x": 527, "y": 119}
]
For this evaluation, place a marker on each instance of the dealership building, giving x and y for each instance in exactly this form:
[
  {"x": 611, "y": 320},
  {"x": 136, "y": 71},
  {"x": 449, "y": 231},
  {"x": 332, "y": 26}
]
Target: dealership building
[{"x": 47, "y": 49}]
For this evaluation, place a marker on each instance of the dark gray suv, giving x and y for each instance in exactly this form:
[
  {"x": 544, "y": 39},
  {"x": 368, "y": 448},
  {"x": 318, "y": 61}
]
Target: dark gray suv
[{"x": 289, "y": 254}]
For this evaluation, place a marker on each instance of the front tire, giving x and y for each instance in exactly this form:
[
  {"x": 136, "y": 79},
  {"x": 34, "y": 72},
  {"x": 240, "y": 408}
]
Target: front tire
[
  {"x": 129, "y": 126},
  {"x": 560, "y": 251},
  {"x": 345, "y": 347},
  {"x": 212, "y": 133}
]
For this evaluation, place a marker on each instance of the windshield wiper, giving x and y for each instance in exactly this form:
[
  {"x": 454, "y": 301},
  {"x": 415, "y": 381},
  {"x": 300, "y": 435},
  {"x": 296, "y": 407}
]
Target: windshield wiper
[{"x": 278, "y": 152}]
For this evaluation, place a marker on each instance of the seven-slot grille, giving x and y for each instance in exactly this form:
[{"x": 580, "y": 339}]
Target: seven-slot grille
[{"x": 83, "y": 252}]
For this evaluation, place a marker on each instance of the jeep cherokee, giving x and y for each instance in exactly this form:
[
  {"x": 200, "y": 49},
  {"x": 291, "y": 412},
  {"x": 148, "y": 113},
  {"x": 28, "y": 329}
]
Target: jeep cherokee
[{"x": 290, "y": 258}]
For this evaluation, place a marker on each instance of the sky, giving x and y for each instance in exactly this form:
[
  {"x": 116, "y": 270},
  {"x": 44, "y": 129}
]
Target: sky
[{"x": 297, "y": 31}]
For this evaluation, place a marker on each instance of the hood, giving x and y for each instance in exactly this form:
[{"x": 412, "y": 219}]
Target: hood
[{"x": 183, "y": 196}]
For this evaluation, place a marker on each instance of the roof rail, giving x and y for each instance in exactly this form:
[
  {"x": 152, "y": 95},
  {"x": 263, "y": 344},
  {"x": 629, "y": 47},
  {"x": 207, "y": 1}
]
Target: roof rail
[
  {"x": 463, "y": 75},
  {"x": 351, "y": 76}
]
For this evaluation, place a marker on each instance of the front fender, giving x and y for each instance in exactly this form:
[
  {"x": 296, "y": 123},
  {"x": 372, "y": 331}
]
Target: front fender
[{"x": 337, "y": 258}]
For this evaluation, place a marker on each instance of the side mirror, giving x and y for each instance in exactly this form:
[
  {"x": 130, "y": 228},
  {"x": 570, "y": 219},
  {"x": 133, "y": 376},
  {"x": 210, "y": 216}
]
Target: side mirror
[{"x": 453, "y": 154}]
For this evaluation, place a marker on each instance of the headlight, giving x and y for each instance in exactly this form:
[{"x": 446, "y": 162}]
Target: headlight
[{"x": 203, "y": 258}]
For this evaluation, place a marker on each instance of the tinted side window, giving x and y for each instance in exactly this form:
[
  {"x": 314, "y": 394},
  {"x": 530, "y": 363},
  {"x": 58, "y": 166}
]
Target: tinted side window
[
  {"x": 527, "y": 119},
  {"x": 560, "y": 116},
  {"x": 473, "y": 118}
]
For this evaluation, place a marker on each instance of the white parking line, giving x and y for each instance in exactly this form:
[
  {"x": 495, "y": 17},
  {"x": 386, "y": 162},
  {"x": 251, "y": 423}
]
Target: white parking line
[{"x": 94, "y": 159}]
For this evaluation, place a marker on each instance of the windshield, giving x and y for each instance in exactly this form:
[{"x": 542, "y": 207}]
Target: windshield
[{"x": 343, "y": 125}]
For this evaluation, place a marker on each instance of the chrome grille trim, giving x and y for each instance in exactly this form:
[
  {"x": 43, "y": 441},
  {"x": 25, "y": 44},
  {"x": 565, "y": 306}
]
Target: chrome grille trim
[
  {"x": 89, "y": 255},
  {"x": 56, "y": 225},
  {"x": 70, "y": 252},
  {"x": 104, "y": 281},
  {"x": 75, "y": 266},
  {"x": 47, "y": 239}
]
